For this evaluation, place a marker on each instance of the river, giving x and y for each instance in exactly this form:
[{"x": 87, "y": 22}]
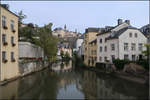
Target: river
[{"x": 63, "y": 81}]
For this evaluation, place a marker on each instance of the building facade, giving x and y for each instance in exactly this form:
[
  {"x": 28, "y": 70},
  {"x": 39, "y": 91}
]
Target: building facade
[
  {"x": 93, "y": 52},
  {"x": 123, "y": 42},
  {"x": 9, "y": 44},
  {"x": 90, "y": 35}
]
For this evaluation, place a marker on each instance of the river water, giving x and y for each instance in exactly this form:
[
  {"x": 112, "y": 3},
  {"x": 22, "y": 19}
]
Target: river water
[{"x": 63, "y": 81}]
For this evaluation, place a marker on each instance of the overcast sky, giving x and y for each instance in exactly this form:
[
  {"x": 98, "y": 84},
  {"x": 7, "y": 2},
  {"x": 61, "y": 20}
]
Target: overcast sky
[{"x": 82, "y": 14}]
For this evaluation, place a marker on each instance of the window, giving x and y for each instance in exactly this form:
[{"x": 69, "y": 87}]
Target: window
[
  {"x": 112, "y": 47},
  {"x": 12, "y": 56},
  {"x": 105, "y": 48},
  {"x": 12, "y": 40},
  {"x": 100, "y": 58},
  {"x": 100, "y": 49},
  {"x": 3, "y": 21},
  {"x": 3, "y": 55},
  {"x": 130, "y": 34},
  {"x": 100, "y": 41},
  {"x": 4, "y": 38},
  {"x": 125, "y": 46},
  {"x": 12, "y": 25},
  {"x": 133, "y": 57},
  {"x": 135, "y": 35},
  {"x": 140, "y": 46},
  {"x": 126, "y": 57},
  {"x": 105, "y": 58},
  {"x": 133, "y": 46}
]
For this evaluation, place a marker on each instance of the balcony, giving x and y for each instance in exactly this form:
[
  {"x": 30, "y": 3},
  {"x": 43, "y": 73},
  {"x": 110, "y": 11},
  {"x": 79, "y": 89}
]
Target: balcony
[
  {"x": 5, "y": 43},
  {"x": 5, "y": 60}
]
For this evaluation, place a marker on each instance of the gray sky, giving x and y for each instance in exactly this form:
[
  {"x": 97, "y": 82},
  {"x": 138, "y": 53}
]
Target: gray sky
[{"x": 82, "y": 14}]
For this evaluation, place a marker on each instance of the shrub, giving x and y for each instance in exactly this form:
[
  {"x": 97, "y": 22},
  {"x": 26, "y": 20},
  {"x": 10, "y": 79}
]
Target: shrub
[
  {"x": 143, "y": 63},
  {"x": 120, "y": 63}
]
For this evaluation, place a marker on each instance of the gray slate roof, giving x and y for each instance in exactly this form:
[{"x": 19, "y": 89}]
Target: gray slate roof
[{"x": 118, "y": 33}]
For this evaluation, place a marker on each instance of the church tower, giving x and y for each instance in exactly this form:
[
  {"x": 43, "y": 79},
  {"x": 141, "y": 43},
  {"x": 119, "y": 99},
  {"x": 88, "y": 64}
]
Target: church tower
[{"x": 65, "y": 27}]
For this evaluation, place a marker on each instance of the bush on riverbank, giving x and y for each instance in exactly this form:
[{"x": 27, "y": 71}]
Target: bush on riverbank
[{"x": 120, "y": 63}]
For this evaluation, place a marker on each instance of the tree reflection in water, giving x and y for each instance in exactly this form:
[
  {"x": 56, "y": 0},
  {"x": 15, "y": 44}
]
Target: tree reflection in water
[{"x": 69, "y": 83}]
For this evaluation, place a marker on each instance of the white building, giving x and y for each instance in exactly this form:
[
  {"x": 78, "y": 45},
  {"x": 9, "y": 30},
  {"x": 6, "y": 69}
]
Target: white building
[
  {"x": 79, "y": 41},
  {"x": 81, "y": 51},
  {"x": 123, "y": 42}
]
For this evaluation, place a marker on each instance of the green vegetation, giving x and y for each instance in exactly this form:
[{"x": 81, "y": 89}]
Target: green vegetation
[
  {"x": 147, "y": 51},
  {"x": 40, "y": 36},
  {"x": 120, "y": 63}
]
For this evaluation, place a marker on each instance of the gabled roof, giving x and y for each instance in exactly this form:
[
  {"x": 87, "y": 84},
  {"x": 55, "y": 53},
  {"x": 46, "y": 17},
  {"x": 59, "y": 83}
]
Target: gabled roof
[
  {"x": 91, "y": 29},
  {"x": 116, "y": 34},
  {"x": 2, "y": 5}
]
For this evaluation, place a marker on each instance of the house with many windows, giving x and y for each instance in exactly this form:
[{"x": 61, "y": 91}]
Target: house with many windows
[
  {"x": 89, "y": 35},
  {"x": 8, "y": 43},
  {"x": 122, "y": 41}
]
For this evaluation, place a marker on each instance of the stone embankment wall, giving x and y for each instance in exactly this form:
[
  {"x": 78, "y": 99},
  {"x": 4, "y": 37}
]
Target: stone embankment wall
[{"x": 29, "y": 67}]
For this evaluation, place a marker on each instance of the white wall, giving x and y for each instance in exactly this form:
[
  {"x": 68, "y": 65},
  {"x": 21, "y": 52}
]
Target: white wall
[
  {"x": 125, "y": 38},
  {"x": 27, "y": 49},
  {"x": 78, "y": 43},
  {"x": 103, "y": 44}
]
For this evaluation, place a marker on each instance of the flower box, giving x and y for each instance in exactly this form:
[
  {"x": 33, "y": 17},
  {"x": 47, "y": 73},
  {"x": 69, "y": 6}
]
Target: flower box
[
  {"x": 5, "y": 60},
  {"x": 13, "y": 30},
  {"x": 5, "y": 43},
  {"x": 13, "y": 44},
  {"x": 13, "y": 60},
  {"x": 5, "y": 27}
]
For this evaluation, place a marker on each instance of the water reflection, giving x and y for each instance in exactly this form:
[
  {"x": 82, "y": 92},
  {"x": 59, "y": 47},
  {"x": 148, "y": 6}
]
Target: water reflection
[{"x": 64, "y": 82}]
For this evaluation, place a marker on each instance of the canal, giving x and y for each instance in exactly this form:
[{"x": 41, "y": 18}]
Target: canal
[{"x": 63, "y": 81}]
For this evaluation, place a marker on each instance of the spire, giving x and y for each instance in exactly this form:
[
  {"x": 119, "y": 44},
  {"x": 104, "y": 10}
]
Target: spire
[{"x": 65, "y": 27}]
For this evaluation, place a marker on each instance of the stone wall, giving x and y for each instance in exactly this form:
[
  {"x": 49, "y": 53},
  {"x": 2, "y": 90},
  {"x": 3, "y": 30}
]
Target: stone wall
[{"x": 28, "y": 50}]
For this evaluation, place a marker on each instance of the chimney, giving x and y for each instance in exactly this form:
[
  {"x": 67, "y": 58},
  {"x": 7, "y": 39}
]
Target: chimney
[
  {"x": 119, "y": 21},
  {"x": 127, "y": 21},
  {"x": 6, "y": 6}
]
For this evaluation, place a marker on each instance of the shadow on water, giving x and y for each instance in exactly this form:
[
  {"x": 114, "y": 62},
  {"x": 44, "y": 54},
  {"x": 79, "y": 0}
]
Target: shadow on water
[{"x": 62, "y": 81}]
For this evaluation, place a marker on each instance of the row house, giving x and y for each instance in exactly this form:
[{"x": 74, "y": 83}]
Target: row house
[
  {"x": 93, "y": 52},
  {"x": 122, "y": 41},
  {"x": 89, "y": 35},
  {"x": 8, "y": 43}
]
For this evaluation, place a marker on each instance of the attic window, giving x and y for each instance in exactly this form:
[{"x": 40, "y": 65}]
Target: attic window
[
  {"x": 135, "y": 34},
  {"x": 130, "y": 34}
]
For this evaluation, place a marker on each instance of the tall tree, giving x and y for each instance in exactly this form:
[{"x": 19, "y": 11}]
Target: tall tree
[{"x": 47, "y": 41}]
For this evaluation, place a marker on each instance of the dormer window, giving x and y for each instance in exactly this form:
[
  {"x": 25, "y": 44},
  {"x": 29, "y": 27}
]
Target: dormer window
[
  {"x": 135, "y": 35},
  {"x": 130, "y": 34}
]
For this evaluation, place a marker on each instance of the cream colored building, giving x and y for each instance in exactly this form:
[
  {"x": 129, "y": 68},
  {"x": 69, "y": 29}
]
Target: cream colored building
[
  {"x": 89, "y": 36},
  {"x": 8, "y": 44},
  {"x": 93, "y": 53}
]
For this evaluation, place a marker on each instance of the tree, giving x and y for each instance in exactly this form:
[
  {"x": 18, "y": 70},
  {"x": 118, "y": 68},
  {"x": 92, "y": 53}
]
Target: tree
[
  {"x": 47, "y": 42},
  {"x": 21, "y": 16},
  {"x": 62, "y": 53}
]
